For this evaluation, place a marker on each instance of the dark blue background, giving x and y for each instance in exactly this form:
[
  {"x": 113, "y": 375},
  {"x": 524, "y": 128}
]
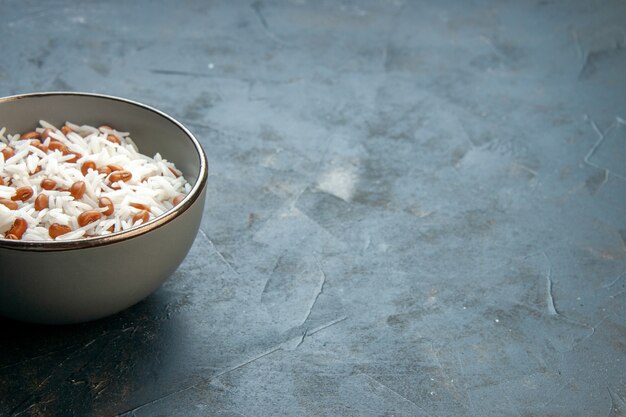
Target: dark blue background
[{"x": 414, "y": 209}]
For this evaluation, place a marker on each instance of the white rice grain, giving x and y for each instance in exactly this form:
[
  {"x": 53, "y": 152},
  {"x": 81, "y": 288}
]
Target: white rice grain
[{"x": 153, "y": 184}]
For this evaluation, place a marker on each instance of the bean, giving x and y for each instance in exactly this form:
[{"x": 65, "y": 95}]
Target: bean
[
  {"x": 23, "y": 194},
  {"x": 139, "y": 206},
  {"x": 41, "y": 202},
  {"x": 106, "y": 202},
  {"x": 176, "y": 201},
  {"x": 88, "y": 217},
  {"x": 11, "y": 205},
  {"x": 1, "y": 181},
  {"x": 56, "y": 145},
  {"x": 75, "y": 158},
  {"x": 19, "y": 227},
  {"x": 115, "y": 167},
  {"x": 37, "y": 170},
  {"x": 87, "y": 166},
  {"x": 113, "y": 139},
  {"x": 42, "y": 147},
  {"x": 124, "y": 176},
  {"x": 78, "y": 189},
  {"x": 142, "y": 215},
  {"x": 66, "y": 129},
  {"x": 30, "y": 135},
  {"x": 48, "y": 184},
  {"x": 46, "y": 133},
  {"x": 104, "y": 170},
  {"x": 57, "y": 229},
  {"x": 8, "y": 152}
]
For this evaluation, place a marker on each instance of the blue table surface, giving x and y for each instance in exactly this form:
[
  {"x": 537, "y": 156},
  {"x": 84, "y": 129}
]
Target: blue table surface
[{"x": 414, "y": 209}]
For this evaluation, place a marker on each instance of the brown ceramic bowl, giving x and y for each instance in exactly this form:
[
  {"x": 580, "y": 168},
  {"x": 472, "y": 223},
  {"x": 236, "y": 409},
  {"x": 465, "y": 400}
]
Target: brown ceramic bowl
[{"x": 74, "y": 281}]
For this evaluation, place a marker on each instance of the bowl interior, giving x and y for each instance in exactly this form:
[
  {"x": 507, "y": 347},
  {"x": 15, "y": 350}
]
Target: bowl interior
[{"x": 152, "y": 131}]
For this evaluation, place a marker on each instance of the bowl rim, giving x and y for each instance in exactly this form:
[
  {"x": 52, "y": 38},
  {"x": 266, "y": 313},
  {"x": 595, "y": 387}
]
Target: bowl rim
[{"x": 188, "y": 201}]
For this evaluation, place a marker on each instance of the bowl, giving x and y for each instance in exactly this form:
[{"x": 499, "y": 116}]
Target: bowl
[{"x": 62, "y": 282}]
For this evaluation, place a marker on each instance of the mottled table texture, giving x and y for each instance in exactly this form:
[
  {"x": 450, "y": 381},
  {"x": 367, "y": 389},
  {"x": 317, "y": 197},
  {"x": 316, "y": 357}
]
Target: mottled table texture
[{"x": 414, "y": 209}]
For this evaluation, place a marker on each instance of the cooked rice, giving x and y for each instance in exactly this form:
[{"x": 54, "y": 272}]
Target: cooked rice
[{"x": 155, "y": 182}]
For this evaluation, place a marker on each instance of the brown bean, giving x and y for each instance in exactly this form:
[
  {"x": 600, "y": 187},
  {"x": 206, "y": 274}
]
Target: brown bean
[
  {"x": 11, "y": 205},
  {"x": 56, "y": 145},
  {"x": 104, "y": 170},
  {"x": 23, "y": 194},
  {"x": 78, "y": 189},
  {"x": 139, "y": 206},
  {"x": 37, "y": 170},
  {"x": 48, "y": 184},
  {"x": 88, "y": 217},
  {"x": 66, "y": 129},
  {"x": 75, "y": 158},
  {"x": 57, "y": 229},
  {"x": 19, "y": 227},
  {"x": 1, "y": 181},
  {"x": 30, "y": 135},
  {"x": 106, "y": 202},
  {"x": 142, "y": 215},
  {"x": 113, "y": 139},
  {"x": 42, "y": 147},
  {"x": 176, "y": 201},
  {"x": 46, "y": 133},
  {"x": 87, "y": 166},
  {"x": 41, "y": 202},
  {"x": 8, "y": 152},
  {"x": 115, "y": 167},
  {"x": 124, "y": 176}
]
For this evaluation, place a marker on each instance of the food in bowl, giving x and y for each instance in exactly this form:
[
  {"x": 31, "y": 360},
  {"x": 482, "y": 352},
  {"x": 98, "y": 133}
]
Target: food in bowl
[{"x": 80, "y": 181}]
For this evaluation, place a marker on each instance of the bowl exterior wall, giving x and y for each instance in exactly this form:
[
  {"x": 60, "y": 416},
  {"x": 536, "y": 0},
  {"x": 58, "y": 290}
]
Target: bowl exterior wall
[{"x": 72, "y": 286}]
